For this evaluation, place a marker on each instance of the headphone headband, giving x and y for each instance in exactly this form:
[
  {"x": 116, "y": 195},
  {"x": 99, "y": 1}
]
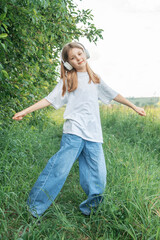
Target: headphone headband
[{"x": 67, "y": 65}]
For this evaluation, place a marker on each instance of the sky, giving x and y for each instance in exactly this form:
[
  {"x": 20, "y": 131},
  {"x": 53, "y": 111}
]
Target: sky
[{"x": 128, "y": 57}]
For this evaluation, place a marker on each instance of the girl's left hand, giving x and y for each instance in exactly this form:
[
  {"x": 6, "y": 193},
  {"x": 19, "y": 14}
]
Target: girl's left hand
[{"x": 140, "y": 111}]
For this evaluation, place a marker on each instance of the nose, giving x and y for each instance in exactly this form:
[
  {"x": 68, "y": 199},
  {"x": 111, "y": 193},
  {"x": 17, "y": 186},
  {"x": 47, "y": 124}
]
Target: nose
[{"x": 78, "y": 57}]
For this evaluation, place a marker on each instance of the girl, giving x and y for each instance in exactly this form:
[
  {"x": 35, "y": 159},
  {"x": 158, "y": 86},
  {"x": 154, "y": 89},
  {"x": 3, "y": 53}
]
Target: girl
[{"x": 80, "y": 89}]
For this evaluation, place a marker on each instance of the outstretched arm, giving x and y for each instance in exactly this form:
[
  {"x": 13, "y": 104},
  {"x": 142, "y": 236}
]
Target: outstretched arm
[
  {"x": 119, "y": 98},
  {"x": 41, "y": 104}
]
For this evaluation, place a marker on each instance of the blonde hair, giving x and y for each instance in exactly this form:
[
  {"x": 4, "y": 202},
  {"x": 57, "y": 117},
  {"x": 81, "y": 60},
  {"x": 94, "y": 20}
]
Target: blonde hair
[{"x": 71, "y": 76}]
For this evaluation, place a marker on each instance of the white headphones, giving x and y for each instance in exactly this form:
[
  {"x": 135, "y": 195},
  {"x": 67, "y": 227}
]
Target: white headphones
[{"x": 67, "y": 64}]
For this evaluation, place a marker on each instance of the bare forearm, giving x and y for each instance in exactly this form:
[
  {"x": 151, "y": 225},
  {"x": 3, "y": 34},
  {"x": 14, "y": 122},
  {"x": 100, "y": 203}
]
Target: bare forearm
[
  {"x": 41, "y": 104},
  {"x": 119, "y": 98}
]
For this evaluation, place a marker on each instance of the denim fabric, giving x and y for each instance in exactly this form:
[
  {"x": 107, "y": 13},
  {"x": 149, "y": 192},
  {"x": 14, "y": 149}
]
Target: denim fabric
[{"x": 92, "y": 171}]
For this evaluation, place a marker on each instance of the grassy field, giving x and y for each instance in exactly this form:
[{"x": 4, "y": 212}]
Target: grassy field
[{"x": 131, "y": 209}]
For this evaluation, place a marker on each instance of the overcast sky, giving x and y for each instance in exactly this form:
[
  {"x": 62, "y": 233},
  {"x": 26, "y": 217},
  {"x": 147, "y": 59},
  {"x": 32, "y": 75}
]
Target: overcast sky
[{"x": 128, "y": 58}]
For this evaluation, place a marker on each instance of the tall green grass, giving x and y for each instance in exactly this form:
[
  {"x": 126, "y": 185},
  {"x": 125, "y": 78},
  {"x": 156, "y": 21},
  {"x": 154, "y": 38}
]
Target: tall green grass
[{"x": 131, "y": 209}]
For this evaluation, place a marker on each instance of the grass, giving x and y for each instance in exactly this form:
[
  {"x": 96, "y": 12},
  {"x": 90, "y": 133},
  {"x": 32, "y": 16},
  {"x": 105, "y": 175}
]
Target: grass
[{"x": 131, "y": 209}]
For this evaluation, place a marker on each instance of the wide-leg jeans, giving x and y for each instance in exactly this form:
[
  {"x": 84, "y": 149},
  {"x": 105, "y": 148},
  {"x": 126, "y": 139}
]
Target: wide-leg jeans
[{"x": 92, "y": 171}]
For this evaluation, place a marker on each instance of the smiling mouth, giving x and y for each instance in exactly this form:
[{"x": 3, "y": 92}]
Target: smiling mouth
[{"x": 81, "y": 62}]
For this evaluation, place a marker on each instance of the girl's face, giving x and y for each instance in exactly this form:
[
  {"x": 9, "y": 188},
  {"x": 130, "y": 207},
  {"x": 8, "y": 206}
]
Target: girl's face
[{"x": 77, "y": 58}]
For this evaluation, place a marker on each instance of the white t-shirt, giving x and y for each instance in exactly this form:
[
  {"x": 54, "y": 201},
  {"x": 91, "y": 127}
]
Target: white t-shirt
[{"x": 81, "y": 115}]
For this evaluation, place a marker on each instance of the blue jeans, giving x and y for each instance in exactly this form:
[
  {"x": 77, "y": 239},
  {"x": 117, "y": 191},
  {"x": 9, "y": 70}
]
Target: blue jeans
[{"x": 92, "y": 170}]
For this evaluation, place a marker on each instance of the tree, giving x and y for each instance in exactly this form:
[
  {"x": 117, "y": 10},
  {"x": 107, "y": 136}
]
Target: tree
[{"x": 32, "y": 32}]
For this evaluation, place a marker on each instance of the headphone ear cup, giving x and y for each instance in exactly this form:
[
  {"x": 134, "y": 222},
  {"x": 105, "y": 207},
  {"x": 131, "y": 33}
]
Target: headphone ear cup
[
  {"x": 87, "y": 54},
  {"x": 68, "y": 66}
]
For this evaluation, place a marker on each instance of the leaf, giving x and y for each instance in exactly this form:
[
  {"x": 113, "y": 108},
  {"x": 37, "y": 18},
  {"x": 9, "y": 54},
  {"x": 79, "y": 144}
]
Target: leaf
[
  {"x": 2, "y": 16},
  {"x": 16, "y": 86},
  {"x": 3, "y": 45},
  {"x": 1, "y": 67},
  {"x": 5, "y": 27},
  {"x": 35, "y": 12},
  {"x": 3, "y": 35},
  {"x": 5, "y": 73}
]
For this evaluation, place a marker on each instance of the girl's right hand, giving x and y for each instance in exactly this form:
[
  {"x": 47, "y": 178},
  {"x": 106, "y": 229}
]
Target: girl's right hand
[
  {"x": 140, "y": 111},
  {"x": 19, "y": 116}
]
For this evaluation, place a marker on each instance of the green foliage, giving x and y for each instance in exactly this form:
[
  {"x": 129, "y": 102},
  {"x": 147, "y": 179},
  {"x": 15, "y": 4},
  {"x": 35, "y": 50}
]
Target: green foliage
[
  {"x": 32, "y": 33},
  {"x": 146, "y": 101},
  {"x": 128, "y": 128},
  {"x": 131, "y": 208}
]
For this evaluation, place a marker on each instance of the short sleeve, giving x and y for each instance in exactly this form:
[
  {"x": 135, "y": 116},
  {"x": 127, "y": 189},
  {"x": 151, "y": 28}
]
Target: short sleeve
[
  {"x": 105, "y": 93},
  {"x": 55, "y": 97}
]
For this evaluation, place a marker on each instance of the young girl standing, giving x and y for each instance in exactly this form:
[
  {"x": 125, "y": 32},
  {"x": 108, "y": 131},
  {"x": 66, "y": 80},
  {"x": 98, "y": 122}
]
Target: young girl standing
[{"x": 80, "y": 89}]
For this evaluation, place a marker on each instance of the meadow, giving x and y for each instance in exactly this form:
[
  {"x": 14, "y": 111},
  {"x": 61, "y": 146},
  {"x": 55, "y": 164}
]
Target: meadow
[{"x": 131, "y": 207}]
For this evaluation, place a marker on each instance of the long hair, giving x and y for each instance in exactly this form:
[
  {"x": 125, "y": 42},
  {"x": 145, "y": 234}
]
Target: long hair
[{"x": 71, "y": 76}]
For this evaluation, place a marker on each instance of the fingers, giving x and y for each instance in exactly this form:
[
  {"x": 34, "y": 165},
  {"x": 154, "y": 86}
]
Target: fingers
[
  {"x": 18, "y": 116},
  {"x": 142, "y": 112}
]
